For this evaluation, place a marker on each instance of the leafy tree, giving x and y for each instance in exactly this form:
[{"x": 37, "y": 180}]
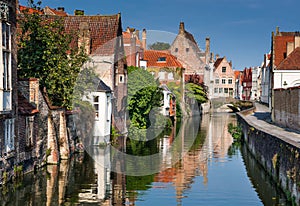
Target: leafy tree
[
  {"x": 143, "y": 96},
  {"x": 159, "y": 46},
  {"x": 44, "y": 52},
  {"x": 196, "y": 92}
]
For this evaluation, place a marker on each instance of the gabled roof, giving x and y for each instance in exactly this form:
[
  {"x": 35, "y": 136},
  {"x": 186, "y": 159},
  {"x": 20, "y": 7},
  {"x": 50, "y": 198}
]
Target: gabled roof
[
  {"x": 292, "y": 62},
  {"x": 103, "y": 31},
  {"x": 218, "y": 62},
  {"x": 102, "y": 87},
  {"x": 152, "y": 56},
  {"x": 24, "y": 107},
  {"x": 50, "y": 11}
]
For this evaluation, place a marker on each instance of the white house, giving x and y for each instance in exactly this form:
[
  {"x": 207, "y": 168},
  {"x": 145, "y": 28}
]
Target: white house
[
  {"x": 265, "y": 79},
  {"x": 169, "y": 104},
  {"x": 101, "y": 100}
]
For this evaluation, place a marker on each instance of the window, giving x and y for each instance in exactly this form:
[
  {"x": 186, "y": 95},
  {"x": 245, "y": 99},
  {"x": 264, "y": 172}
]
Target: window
[
  {"x": 161, "y": 59},
  {"x": 5, "y": 69},
  {"x": 121, "y": 78},
  {"x": 223, "y": 69},
  {"x": 229, "y": 81},
  {"x": 217, "y": 81},
  {"x": 9, "y": 135},
  {"x": 170, "y": 76},
  {"x": 226, "y": 90},
  {"x": 216, "y": 90},
  {"x": 96, "y": 106},
  {"x": 187, "y": 49},
  {"x": 29, "y": 130},
  {"x": 220, "y": 90},
  {"x": 176, "y": 49},
  {"x": 161, "y": 75},
  {"x": 223, "y": 81}
]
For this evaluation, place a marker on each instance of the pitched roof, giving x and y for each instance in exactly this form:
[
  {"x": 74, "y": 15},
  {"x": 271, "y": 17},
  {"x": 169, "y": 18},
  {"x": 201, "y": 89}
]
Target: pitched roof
[
  {"x": 237, "y": 74},
  {"x": 152, "y": 56},
  {"x": 102, "y": 87},
  {"x": 24, "y": 107},
  {"x": 292, "y": 62},
  {"x": 103, "y": 31},
  {"x": 218, "y": 62},
  {"x": 50, "y": 11},
  {"x": 23, "y": 9}
]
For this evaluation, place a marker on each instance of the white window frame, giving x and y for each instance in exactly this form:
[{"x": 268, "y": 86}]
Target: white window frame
[
  {"x": 5, "y": 68},
  {"x": 9, "y": 135}
]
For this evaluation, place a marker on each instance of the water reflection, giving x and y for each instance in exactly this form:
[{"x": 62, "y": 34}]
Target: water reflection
[{"x": 207, "y": 169}]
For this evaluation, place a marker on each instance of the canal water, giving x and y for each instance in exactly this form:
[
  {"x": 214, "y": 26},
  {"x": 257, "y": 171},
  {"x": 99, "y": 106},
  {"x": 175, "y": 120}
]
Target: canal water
[{"x": 197, "y": 165}]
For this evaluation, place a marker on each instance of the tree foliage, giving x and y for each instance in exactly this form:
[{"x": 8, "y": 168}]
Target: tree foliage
[
  {"x": 159, "y": 46},
  {"x": 44, "y": 52},
  {"x": 143, "y": 96},
  {"x": 196, "y": 92}
]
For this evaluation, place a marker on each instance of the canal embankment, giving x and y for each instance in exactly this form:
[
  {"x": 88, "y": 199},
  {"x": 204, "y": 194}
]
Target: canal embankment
[{"x": 276, "y": 148}]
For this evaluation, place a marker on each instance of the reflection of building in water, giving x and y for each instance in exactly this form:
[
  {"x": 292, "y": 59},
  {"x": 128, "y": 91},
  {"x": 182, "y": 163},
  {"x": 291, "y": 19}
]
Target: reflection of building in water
[
  {"x": 216, "y": 142},
  {"x": 102, "y": 188}
]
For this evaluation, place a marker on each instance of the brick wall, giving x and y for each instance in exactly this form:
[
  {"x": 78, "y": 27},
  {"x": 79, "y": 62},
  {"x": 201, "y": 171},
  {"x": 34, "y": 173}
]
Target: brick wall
[{"x": 286, "y": 107}]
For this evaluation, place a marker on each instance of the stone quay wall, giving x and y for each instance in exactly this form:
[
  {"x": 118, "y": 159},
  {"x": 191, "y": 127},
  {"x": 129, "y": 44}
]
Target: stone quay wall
[{"x": 280, "y": 158}]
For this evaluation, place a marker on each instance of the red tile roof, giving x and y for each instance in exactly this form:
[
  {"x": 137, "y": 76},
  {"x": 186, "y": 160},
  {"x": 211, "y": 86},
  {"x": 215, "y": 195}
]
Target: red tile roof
[
  {"x": 152, "y": 57},
  {"x": 292, "y": 62},
  {"x": 24, "y": 107},
  {"x": 103, "y": 30},
  {"x": 23, "y": 9},
  {"x": 237, "y": 74}
]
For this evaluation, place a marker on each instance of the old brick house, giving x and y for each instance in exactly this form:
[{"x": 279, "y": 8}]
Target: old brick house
[
  {"x": 8, "y": 91},
  {"x": 101, "y": 37},
  {"x": 186, "y": 49},
  {"x": 223, "y": 79},
  {"x": 247, "y": 83}
]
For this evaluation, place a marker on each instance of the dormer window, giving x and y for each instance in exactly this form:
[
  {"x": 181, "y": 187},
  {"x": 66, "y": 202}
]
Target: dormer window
[{"x": 161, "y": 59}]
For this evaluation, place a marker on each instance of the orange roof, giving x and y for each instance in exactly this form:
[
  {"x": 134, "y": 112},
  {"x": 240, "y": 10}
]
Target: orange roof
[
  {"x": 292, "y": 62},
  {"x": 237, "y": 74},
  {"x": 23, "y": 9},
  {"x": 167, "y": 59}
]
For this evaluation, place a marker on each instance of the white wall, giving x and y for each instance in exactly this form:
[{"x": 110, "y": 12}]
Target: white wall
[{"x": 291, "y": 77}]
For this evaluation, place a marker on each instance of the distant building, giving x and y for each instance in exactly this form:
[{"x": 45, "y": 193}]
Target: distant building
[
  {"x": 265, "y": 79},
  {"x": 247, "y": 84},
  {"x": 186, "y": 49},
  {"x": 256, "y": 82},
  {"x": 223, "y": 79},
  {"x": 238, "y": 85}
]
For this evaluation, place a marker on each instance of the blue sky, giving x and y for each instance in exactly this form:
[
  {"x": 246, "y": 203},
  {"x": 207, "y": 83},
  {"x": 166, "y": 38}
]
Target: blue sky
[{"x": 238, "y": 29}]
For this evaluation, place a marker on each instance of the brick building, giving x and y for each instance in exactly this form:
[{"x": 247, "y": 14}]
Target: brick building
[
  {"x": 8, "y": 91},
  {"x": 247, "y": 83},
  {"x": 186, "y": 49}
]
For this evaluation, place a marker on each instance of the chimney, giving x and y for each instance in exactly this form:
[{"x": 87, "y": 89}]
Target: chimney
[
  {"x": 144, "y": 39},
  {"x": 128, "y": 29},
  {"x": 60, "y": 8},
  {"x": 84, "y": 37},
  {"x": 78, "y": 12},
  {"x": 290, "y": 47},
  {"x": 277, "y": 30},
  {"x": 137, "y": 34},
  {"x": 30, "y": 90},
  {"x": 181, "y": 28},
  {"x": 212, "y": 56},
  {"x": 297, "y": 41},
  {"x": 207, "y": 50},
  {"x": 217, "y": 56}
]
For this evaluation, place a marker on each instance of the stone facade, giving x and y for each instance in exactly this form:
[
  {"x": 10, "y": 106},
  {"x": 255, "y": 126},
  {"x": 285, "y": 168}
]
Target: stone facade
[{"x": 286, "y": 107}]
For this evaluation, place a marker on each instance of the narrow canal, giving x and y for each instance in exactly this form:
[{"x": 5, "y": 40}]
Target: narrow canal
[{"x": 214, "y": 170}]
